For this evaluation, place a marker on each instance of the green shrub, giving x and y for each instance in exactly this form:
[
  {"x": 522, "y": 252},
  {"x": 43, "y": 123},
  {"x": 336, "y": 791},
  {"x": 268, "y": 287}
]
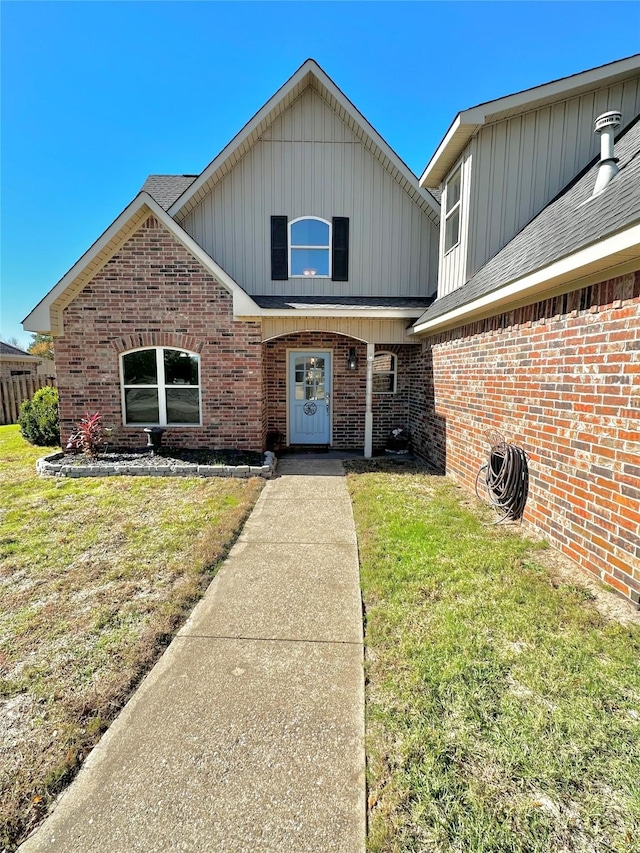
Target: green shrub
[{"x": 39, "y": 422}]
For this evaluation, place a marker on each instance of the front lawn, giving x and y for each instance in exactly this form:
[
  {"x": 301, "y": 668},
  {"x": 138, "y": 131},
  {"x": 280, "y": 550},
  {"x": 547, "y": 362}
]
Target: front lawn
[
  {"x": 503, "y": 706},
  {"x": 95, "y": 577}
]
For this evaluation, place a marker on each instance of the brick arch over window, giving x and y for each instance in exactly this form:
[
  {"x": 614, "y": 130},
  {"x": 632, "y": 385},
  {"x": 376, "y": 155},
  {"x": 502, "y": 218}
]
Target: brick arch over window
[{"x": 158, "y": 339}]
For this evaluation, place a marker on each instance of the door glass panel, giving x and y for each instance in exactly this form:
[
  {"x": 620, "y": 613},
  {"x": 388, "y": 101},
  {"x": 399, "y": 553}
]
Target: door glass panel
[{"x": 309, "y": 374}]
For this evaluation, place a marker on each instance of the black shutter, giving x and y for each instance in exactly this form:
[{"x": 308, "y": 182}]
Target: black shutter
[
  {"x": 279, "y": 249},
  {"x": 340, "y": 249}
]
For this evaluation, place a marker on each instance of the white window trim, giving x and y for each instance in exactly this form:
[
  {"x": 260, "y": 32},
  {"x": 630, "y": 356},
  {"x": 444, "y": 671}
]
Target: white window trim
[
  {"x": 300, "y": 246},
  {"x": 393, "y": 372},
  {"x": 448, "y": 213},
  {"x": 162, "y": 398}
]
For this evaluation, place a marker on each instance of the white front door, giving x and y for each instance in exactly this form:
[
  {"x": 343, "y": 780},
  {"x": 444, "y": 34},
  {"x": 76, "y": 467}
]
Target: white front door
[{"x": 310, "y": 397}]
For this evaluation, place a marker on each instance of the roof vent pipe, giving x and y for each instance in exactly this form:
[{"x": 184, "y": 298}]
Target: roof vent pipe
[{"x": 606, "y": 125}]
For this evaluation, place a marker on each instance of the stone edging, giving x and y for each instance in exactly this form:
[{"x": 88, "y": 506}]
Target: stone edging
[{"x": 54, "y": 466}]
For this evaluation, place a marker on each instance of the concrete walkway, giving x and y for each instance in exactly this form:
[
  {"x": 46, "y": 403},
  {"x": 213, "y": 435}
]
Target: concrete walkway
[{"x": 248, "y": 735}]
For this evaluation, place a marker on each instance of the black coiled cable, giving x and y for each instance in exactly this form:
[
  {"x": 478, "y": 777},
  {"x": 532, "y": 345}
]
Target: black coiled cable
[{"x": 506, "y": 476}]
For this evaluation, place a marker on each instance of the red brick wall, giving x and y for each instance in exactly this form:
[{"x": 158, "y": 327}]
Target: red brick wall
[
  {"x": 389, "y": 411},
  {"x": 154, "y": 293},
  {"x": 348, "y": 387},
  {"x": 561, "y": 378}
]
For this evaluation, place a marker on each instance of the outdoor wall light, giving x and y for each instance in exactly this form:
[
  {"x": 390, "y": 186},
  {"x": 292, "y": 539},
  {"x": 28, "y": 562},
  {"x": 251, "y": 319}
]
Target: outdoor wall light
[{"x": 352, "y": 359}]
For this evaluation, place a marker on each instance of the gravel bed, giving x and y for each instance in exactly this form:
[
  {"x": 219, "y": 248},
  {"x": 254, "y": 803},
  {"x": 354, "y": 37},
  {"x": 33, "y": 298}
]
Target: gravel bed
[{"x": 205, "y": 463}]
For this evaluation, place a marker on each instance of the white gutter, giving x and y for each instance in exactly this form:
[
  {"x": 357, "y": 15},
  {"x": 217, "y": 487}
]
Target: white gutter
[{"x": 626, "y": 245}]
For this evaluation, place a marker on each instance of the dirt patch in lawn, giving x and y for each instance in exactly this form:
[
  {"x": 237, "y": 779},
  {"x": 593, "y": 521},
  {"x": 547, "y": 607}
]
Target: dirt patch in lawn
[{"x": 96, "y": 575}]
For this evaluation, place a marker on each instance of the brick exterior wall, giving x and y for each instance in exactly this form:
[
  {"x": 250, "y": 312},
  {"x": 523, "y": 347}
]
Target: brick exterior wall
[
  {"x": 348, "y": 394},
  {"x": 561, "y": 378},
  {"x": 154, "y": 293},
  {"x": 389, "y": 411}
]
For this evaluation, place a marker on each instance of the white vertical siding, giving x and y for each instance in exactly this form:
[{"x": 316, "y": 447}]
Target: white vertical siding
[{"x": 309, "y": 163}]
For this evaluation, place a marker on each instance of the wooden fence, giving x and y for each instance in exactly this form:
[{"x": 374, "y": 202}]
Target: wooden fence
[{"x": 14, "y": 390}]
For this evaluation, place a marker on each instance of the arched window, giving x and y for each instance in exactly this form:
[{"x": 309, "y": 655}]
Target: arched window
[
  {"x": 384, "y": 372},
  {"x": 160, "y": 387},
  {"x": 310, "y": 247}
]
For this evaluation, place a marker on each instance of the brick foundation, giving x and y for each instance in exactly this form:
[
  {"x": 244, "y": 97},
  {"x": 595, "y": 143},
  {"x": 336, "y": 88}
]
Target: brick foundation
[{"x": 561, "y": 378}]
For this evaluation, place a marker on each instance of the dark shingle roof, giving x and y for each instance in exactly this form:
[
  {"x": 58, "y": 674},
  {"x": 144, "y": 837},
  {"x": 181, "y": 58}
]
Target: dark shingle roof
[
  {"x": 165, "y": 189},
  {"x": 306, "y": 303},
  {"x": 8, "y": 349},
  {"x": 570, "y": 222}
]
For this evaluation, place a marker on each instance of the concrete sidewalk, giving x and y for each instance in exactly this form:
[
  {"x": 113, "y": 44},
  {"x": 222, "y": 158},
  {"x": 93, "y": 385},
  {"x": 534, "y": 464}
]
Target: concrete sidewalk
[{"x": 248, "y": 735}]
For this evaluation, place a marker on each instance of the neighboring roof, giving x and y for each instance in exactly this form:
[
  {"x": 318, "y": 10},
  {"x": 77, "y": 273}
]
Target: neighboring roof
[
  {"x": 309, "y": 74},
  {"x": 571, "y": 222},
  {"x": 366, "y": 303},
  {"x": 165, "y": 189},
  {"x": 8, "y": 349},
  {"x": 467, "y": 122},
  {"x": 47, "y": 315}
]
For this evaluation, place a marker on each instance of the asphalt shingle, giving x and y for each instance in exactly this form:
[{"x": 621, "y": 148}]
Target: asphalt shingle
[
  {"x": 165, "y": 189},
  {"x": 571, "y": 221},
  {"x": 302, "y": 303}
]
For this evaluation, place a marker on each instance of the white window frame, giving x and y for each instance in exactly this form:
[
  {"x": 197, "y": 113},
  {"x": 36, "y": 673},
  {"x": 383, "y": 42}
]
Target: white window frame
[
  {"x": 450, "y": 211},
  {"x": 393, "y": 372},
  {"x": 162, "y": 398},
  {"x": 291, "y": 247}
]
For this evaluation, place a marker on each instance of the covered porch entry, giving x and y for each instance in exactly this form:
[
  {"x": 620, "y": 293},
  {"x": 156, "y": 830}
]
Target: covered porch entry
[{"x": 328, "y": 388}]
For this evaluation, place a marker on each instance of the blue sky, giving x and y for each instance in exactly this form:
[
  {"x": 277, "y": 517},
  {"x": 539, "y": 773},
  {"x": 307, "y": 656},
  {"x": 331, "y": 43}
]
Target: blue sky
[{"x": 97, "y": 95}]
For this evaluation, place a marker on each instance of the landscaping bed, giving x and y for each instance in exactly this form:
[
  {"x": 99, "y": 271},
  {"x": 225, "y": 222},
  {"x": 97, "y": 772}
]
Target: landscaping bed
[
  {"x": 502, "y": 684},
  {"x": 96, "y": 576},
  {"x": 164, "y": 463}
]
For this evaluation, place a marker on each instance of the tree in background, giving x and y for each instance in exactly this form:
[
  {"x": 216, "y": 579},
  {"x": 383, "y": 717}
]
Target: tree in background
[
  {"x": 41, "y": 345},
  {"x": 13, "y": 342}
]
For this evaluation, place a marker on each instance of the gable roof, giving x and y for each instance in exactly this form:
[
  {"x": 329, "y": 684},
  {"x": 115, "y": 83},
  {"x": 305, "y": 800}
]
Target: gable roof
[
  {"x": 605, "y": 228},
  {"x": 165, "y": 189},
  {"x": 9, "y": 349},
  {"x": 469, "y": 121},
  {"x": 48, "y": 313},
  {"x": 309, "y": 74}
]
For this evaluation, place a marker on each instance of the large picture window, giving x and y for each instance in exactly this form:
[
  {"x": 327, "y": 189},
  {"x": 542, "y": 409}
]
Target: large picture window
[
  {"x": 160, "y": 387},
  {"x": 310, "y": 247}
]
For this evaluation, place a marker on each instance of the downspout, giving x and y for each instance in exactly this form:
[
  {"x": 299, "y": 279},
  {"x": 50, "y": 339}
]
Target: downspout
[{"x": 368, "y": 412}]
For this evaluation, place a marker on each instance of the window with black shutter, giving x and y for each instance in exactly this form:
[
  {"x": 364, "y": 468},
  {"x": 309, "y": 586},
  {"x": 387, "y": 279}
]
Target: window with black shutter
[
  {"x": 340, "y": 249},
  {"x": 279, "y": 249},
  {"x": 309, "y": 246}
]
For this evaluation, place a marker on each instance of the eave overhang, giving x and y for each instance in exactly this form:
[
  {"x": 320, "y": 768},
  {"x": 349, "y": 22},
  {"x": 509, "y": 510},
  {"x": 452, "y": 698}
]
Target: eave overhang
[
  {"x": 616, "y": 255},
  {"x": 468, "y": 122},
  {"x": 309, "y": 74},
  {"x": 47, "y": 316},
  {"x": 20, "y": 358},
  {"x": 353, "y": 313}
]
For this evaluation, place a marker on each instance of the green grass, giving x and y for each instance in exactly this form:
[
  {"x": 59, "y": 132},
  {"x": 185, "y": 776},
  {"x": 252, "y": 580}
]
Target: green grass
[
  {"x": 503, "y": 710},
  {"x": 95, "y": 577}
]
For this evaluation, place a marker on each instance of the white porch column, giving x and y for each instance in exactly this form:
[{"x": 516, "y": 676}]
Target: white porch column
[{"x": 368, "y": 415}]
